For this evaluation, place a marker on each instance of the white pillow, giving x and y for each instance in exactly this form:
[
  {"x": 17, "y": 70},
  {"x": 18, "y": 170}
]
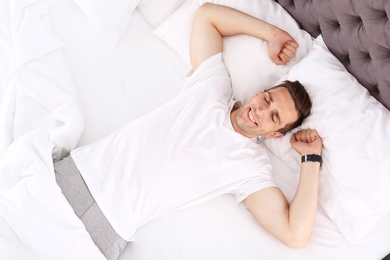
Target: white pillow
[
  {"x": 157, "y": 11},
  {"x": 110, "y": 17},
  {"x": 355, "y": 175},
  {"x": 246, "y": 57}
]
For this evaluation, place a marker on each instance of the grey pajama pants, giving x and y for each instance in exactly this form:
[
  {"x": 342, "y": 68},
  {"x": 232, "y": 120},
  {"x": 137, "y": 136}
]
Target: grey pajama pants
[{"x": 77, "y": 193}]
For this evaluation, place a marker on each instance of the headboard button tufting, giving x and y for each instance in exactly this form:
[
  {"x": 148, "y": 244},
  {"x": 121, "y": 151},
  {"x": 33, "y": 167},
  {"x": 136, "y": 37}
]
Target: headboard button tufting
[{"x": 357, "y": 32}]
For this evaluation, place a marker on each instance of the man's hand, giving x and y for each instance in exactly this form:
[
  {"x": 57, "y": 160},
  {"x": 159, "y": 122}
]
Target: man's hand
[
  {"x": 282, "y": 47},
  {"x": 306, "y": 142}
]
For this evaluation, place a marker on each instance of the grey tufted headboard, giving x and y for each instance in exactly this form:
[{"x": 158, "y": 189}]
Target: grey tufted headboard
[{"x": 357, "y": 32}]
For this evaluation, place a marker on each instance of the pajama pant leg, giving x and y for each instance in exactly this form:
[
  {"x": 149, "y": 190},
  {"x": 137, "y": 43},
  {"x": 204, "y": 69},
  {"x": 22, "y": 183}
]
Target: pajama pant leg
[{"x": 77, "y": 193}]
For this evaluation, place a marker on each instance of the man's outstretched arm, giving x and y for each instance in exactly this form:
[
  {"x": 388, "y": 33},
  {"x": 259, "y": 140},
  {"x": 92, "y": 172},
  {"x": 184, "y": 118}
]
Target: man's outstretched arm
[
  {"x": 292, "y": 224},
  {"x": 213, "y": 22}
]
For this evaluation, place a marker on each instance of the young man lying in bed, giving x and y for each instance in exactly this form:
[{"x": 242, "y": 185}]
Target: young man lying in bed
[{"x": 199, "y": 146}]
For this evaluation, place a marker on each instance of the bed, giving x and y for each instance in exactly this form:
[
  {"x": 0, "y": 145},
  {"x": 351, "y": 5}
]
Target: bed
[{"x": 73, "y": 71}]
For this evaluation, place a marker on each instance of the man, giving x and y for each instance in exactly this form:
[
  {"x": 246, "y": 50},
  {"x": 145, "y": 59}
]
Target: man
[
  {"x": 291, "y": 224},
  {"x": 198, "y": 146}
]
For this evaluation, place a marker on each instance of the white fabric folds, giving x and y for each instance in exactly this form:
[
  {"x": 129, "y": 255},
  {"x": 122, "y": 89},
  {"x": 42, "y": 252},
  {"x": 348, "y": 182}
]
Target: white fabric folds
[{"x": 41, "y": 119}]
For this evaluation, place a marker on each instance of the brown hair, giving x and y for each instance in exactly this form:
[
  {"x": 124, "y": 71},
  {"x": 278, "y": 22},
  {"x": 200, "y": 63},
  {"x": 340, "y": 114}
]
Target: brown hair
[{"x": 301, "y": 100}]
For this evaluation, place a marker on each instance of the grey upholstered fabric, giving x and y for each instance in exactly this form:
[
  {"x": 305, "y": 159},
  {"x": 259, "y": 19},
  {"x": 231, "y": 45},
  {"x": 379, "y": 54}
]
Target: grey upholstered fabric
[{"x": 357, "y": 32}]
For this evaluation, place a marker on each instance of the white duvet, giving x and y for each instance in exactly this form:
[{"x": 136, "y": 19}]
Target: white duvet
[{"x": 40, "y": 120}]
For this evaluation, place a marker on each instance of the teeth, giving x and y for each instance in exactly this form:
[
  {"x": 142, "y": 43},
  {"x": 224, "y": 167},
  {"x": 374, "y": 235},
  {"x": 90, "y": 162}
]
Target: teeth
[{"x": 251, "y": 117}]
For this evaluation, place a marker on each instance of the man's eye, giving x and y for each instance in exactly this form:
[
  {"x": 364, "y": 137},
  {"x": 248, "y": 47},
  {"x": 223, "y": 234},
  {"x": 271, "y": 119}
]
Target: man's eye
[
  {"x": 265, "y": 99},
  {"x": 275, "y": 118}
]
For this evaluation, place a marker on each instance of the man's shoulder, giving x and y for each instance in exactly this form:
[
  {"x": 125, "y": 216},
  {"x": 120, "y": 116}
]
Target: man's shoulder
[{"x": 213, "y": 66}]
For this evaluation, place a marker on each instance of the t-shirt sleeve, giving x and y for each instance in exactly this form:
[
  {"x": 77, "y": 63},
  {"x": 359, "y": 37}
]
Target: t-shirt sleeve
[
  {"x": 251, "y": 187},
  {"x": 257, "y": 182},
  {"x": 212, "y": 67}
]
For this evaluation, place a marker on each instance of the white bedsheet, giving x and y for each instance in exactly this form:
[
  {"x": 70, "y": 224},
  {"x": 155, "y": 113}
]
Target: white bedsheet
[
  {"x": 219, "y": 230},
  {"x": 113, "y": 86}
]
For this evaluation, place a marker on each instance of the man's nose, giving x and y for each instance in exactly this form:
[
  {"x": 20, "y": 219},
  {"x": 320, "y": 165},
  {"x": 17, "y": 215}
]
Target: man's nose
[
  {"x": 266, "y": 112},
  {"x": 264, "y": 106}
]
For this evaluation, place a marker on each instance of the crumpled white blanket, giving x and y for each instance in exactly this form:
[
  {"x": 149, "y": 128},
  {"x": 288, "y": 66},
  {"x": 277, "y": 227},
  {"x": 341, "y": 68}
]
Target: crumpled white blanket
[
  {"x": 37, "y": 90},
  {"x": 40, "y": 121},
  {"x": 36, "y": 221}
]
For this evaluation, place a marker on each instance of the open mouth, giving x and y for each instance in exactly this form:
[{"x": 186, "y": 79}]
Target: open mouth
[{"x": 251, "y": 117}]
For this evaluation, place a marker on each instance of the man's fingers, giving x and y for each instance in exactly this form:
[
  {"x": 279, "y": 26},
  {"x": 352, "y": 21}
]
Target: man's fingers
[
  {"x": 286, "y": 53},
  {"x": 283, "y": 57},
  {"x": 278, "y": 60},
  {"x": 289, "y": 53},
  {"x": 306, "y": 135},
  {"x": 293, "y": 138},
  {"x": 293, "y": 44}
]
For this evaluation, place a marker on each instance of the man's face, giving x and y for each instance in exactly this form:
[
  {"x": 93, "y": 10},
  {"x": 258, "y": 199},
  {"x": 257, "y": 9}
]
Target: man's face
[{"x": 265, "y": 113}]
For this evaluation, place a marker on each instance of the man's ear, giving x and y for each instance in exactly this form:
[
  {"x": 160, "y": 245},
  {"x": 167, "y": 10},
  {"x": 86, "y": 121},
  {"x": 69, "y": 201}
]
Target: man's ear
[{"x": 274, "y": 135}]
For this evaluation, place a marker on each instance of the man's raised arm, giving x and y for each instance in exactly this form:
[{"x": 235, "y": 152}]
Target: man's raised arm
[
  {"x": 292, "y": 224},
  {"x": 213, "y": 22}
]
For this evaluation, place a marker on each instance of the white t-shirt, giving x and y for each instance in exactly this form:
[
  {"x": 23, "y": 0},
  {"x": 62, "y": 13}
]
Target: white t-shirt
[{"x": 183, "y": 153}]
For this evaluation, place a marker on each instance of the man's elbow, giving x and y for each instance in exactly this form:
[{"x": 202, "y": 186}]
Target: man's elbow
[
  {"x": 206, "y": 7},
  {"x": 203, "y": 11},
  {"x": 298, "y": 242}
]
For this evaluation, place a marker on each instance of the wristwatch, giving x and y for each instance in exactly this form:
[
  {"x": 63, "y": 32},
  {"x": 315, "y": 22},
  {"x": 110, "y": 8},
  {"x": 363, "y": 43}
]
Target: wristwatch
[{"x": 311, "y": 158}]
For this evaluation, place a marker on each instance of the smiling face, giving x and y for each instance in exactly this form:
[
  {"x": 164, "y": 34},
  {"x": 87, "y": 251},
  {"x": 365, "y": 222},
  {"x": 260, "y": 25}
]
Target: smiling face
[{"x": 265, "y": 114}]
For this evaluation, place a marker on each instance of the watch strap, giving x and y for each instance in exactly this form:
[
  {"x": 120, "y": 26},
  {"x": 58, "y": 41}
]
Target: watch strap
[{"x": 311, "y": 158}]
